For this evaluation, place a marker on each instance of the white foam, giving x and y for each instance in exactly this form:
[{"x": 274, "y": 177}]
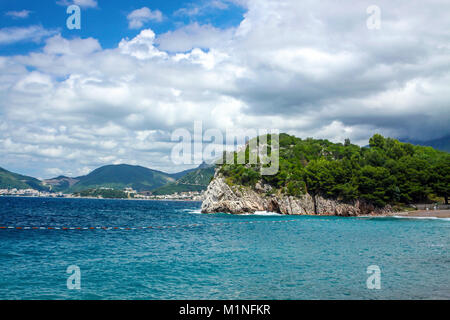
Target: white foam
[
  {"x": 193, "y": 211},
  {"x": 406, "y": 217},
  {"x": 262, "y": 213},
  {"x": 429, "y": 218},
  {"x": 257, "y": 213}
]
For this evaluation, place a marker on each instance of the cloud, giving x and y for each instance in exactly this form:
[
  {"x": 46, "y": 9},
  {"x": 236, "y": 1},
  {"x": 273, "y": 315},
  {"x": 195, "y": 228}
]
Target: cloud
[
  {"x": 33, "y": 33},
  {"x": 81, "y": 3},
  {"x": 54, "y": 172},
  {"x": 139, "y": 17},
  {"x": 142, "y": 46},
  {"x": 57, "y": 45},
  {"x": 194, "y": 36},
  {"x": 23, "y": 14},
  {"x": 308, "y": 68},
  {"x": 196, "y": 9}
]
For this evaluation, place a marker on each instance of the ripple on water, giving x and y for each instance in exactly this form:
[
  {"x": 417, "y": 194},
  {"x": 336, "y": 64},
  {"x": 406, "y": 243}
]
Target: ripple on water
[{"x": 221, "y": 257}]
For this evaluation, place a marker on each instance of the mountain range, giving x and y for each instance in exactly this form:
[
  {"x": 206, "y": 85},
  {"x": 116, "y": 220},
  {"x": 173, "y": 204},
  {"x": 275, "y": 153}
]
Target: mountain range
[
  {"x": 442, "y": 144},
  {"x": 117, "y": 177},
  {"x": 138, "y": 177},
  {"x": 11, "y": 180},
  {"x": 194, "y": 180}
]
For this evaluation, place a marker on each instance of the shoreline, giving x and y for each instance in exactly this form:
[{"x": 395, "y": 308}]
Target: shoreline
[
  {"x": 404, "y": 214},
  {"x": 93, "y": 198},
  {"x": 421, "y": 214}
]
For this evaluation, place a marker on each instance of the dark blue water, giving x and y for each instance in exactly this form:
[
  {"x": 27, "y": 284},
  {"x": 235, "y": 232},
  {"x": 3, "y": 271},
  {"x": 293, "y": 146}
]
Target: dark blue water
[{"x": 270, "y": 258}]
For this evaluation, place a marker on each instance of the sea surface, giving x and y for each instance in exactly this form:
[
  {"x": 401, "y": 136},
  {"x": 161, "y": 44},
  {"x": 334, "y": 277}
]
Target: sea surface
[{"x": 220, "y": 256}]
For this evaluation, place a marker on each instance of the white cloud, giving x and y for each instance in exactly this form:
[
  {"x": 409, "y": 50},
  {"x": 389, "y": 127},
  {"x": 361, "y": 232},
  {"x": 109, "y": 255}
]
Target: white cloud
[
  {"x": 142, "y": 46},
  {"x": 139, "y": 17},
  {"x": 33, "y": 33},
  {"x": 81, "y": 3},
  {"x": 86, "y": 3},
  {"x": 54, "y": 172},
  {"x": 197, "y": 9},
  {"x": 23, "y": 14},
  {"x": 194, "y": 36},
  {"x": 308, "y": 68},
  {"x": 58, "y": 45}
]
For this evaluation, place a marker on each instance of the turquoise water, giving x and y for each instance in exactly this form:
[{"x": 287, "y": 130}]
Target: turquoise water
[{"x": 274, "y": 257}]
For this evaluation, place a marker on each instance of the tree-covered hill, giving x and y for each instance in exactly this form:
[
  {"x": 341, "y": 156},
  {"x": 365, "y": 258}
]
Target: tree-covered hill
[
  {"x": 200, "y": 176},
  {"x": 139, "y": 178},
  {"x": 116, "y": 177},
  {"x": 103, "y": 193},
  {"x": 195, "y": 180},
  {"x": 61, "y": 183},
  {"x": 10, "y": 180},
  {"x": 386, "y": 172},
  {"x": 122, "y": 176}
]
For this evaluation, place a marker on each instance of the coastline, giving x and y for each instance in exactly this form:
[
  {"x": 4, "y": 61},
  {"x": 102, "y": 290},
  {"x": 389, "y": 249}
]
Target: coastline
[
  {"x": 421, "y": 214},
  {"x": 94, "y": 198},
  {"x": 404, "y": 214}
]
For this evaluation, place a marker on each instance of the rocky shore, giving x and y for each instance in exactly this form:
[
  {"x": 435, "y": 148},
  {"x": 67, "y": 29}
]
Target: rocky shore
[{"x": 220, "y": 197}]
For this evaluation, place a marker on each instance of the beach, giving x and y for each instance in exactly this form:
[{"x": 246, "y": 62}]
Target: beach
[{"x": 424, "y": 213}]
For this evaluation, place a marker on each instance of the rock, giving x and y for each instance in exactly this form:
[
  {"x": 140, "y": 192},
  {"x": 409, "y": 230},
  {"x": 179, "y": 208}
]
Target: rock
[{"x": 220, "y": 197}]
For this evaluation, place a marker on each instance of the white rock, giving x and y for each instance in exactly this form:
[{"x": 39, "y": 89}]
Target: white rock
[{"x": 220, "y": 197}]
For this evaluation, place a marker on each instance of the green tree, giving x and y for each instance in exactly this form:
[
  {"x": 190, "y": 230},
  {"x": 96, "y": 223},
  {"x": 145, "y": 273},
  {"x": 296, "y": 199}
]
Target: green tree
[
  {"x": 315, "y": 177},
  {"x": 347, "y": 142},
  {"x": 375, "y": 184},
  {"x": 440, "y": 178},
  {"x": 377, "y": 141},
  {"x": 387, "y": 172}
]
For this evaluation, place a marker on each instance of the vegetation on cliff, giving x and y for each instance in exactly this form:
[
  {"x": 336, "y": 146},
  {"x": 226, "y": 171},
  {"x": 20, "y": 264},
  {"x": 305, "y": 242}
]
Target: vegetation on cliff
[{"x": 386, "y": 172}]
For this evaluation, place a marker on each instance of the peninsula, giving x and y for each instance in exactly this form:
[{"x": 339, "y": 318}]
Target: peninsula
[{"x": 324, "y": 178}]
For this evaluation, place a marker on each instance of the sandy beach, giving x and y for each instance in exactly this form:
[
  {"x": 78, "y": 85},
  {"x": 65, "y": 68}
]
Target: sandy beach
[{"x": 424, "y": 213}]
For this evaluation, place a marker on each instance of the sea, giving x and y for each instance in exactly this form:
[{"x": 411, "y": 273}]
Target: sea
[{"x": 57, "y": 249}]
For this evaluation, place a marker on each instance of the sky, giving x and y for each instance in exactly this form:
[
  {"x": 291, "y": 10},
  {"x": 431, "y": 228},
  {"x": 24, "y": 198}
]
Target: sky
[{"x": 115, "y": 90}]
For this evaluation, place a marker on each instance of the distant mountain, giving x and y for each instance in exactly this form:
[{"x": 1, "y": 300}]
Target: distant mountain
[
  {"x": 181, "y": 174},
  {"x": 61, "y": 183},
  {"x": 11, "y": 180},
  {"x": 442, "y": 144},
  {"x": 172, "y": 188},
  {"x": 200, "y": 176},
  {"x": 122, "y": 176},
  {"x": 196, "y": 179},
  {"x": 117, "y": 177}
]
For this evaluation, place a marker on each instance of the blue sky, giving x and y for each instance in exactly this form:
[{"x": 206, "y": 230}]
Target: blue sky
[
  {"x": 107, "y": 21},
  {"x": 137, "y": 71}
]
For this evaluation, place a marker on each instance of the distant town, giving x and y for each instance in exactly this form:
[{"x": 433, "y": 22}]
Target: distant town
[{"x": 102, "y": 193}]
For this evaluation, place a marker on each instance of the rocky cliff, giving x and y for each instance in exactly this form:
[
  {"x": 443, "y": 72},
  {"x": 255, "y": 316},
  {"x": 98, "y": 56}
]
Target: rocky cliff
[{"x": 220, "y": 197}]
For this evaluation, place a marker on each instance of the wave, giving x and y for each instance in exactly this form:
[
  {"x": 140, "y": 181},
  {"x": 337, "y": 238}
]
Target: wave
[
  {"x": 257, "y": 213},
  {"x": 429, "y": 218},
  {"x": 193, "y": 211},
  {"x": 262, "y": 213},
  {"x": 404, "y": 217}
]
